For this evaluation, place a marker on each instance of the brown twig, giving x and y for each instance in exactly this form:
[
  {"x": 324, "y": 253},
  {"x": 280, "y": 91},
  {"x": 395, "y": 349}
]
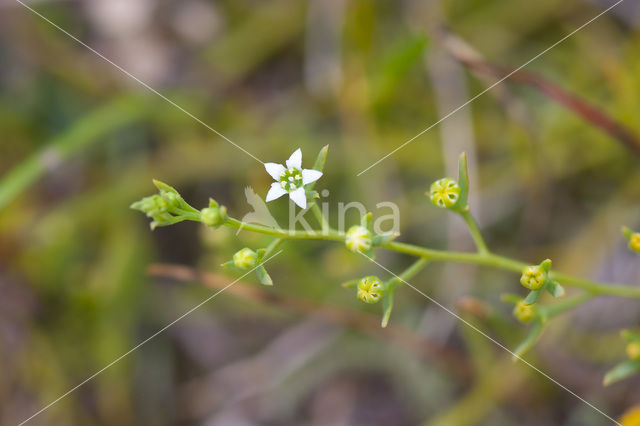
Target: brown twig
[
  {"x": 462, "y": 52},
  {"x": 452, "y": 360}
]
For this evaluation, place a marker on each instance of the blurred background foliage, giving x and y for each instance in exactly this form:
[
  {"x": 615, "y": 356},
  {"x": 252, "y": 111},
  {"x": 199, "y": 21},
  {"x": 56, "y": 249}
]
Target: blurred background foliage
[{"x": 80, "y": 141}]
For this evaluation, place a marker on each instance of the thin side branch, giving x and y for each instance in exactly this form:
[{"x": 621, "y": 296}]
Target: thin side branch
[{"x": 464, "y": 53}]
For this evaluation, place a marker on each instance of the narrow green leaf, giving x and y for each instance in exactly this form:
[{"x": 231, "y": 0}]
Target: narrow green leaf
[
  {"x": 510, "y": 298},
  {"x": 263, "y": 276},
  {"x": 387, "y": 306},
  {"x": 463, "y": 181},
  {"x": 621, "y": 371},
  {"x": 366, "y": 220},
  {"x": 554, "y": 288},
  {"x": 532, "y": 297},
  {"x": 318, "y": 165},
  {"x": 350, "y": 284},
  {"x": 394, "y": 66},
  {"x": 532, "y": 337},
  {"x": 321, "y": 159},
  {"x": 546, "y": 265},
  {"x": 163, "y": 187}
]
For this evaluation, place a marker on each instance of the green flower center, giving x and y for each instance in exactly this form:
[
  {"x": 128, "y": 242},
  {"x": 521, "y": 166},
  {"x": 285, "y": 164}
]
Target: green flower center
[
  {"x": 370, "y": 289},
  {"x": 291, "y": 179},
  {"x": 445, "y": 192}
]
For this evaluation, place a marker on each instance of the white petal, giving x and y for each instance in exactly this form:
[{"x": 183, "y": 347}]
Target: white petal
[
  {"x": 310, "y": 175},
  {"x": 274, "y": 169},
  {"x": 298, "y": 196},
  {"x": 276, "y": 191},
  {"x": 295, "y": 160}
]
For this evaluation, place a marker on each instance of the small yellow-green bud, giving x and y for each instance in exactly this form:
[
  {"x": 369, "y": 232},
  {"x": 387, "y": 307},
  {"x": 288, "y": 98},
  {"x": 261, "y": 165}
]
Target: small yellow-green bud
[
  {"x": 533, "y": 277},
  {"x": 152, "y": 206},
  {"x": 524, "y": 312},
  {"x": 359, "y": 239},
  {"x": 245, "y": 258},
  {"x": 213, "y": 216},
  {"x": 633, "y": 351},
  {"x": 370, "y": 289},
  {"x": 445, "y": 193},
  {"x": 634, "y": 242},
  {"x": 173, "y": 199}
]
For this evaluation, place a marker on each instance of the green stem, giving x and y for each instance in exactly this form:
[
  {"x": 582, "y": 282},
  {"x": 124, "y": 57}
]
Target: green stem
[
  {"x": 320, "y": 217},
  {"x": 330, "y": 234},
  {"x": 483, "y": 259},
  {"x": 271, "y": 247},
  {"x": 566, "y": 304},
  {"x": 475, "y": 232},
  {"x": 410, "y": 272}
]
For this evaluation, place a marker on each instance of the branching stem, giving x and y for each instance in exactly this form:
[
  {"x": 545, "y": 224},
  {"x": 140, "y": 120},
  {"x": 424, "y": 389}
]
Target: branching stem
[{"x": 483, "y": 258}]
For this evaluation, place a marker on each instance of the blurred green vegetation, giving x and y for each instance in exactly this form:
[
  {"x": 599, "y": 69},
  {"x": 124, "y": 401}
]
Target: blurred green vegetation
[{"x": 81, "y": 141}]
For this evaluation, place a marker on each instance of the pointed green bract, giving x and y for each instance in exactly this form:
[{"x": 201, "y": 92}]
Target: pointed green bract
[
  {"x": 531, "y": 338},
  {"x": 263, "y": 276},
  {"x": 463, "y": 182},
  {"x": 319, "y": 166},
  {"x": 621, "y": 371},
  {"x": 387, "y": 306},
  {"x": 532, "y": 297},
  {"x": 554, "y": 288}
]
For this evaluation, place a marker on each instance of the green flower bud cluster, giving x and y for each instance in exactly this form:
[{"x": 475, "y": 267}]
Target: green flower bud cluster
[
  {"x": 445, "y": 193},
  {"x": 360, "y": 238},
  {"x": 629, "y": 367},
  {"x": 536, "y": 278},
  {"x": 448, "y": 193},
  {"x": 370, "y": 289},
  {"x": 633, "y": 350},
  {"x": 633, "y": 238},
  {"x": 633, "y": 344},
  {"x": 165, "y": 208},
  {"x": 524, "y": 312},
  {"x": 214, "y": 215},
  {"x": 533, "y": 277},
  {"x": 247, "y": 259}
]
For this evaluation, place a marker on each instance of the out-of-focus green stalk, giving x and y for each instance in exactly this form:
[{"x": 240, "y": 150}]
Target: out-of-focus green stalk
[
  {"x": 96, "y": 124},
  {"x": 475, "y": 232}
]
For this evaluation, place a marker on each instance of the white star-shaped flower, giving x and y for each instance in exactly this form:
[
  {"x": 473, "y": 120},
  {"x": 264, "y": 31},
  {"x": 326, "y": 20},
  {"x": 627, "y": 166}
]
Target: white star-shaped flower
[{"x": 291, "y": 179}]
